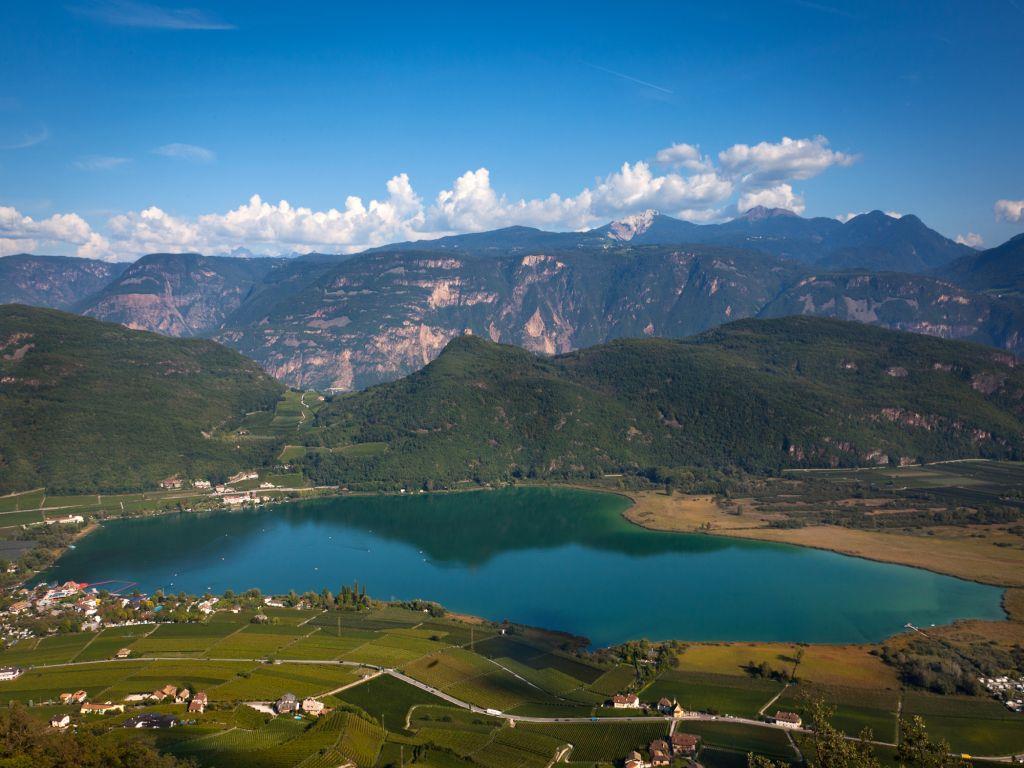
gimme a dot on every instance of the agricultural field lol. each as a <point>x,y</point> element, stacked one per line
<point>717,694</point>
<point>855,708</point>
<point>973,725</point>
<point>600,741</point>
<point>389,700</point>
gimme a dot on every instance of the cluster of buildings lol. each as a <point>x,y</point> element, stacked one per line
<point>289,704</point>
<point>196,704</point>
<point>661,752</point>
<point>667,707</point>
<point>1006,689</point>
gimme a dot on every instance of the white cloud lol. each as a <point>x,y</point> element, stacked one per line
<point>683,156</point>
<point>99,162</point>
<point>691,187</point>
<point>23,233</point>
<point>972,239</point>
<point>779,196</point>
<point>766,164</point>
<point>1009,210</point>
<point>186,152</point>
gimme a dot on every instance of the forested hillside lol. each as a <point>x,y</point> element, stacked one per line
<point>755,395</point>
<point>92,406</point>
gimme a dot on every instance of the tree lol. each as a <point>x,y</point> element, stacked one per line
<point>918,750</point>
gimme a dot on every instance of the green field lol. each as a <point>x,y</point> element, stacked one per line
<point>717,694</point>
<point>972,725</point>
<point>388,699</point>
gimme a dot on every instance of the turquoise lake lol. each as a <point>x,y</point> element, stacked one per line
<point>553,558</point>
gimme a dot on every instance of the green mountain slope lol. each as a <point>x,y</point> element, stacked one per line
<point>86,405</point>
<point>758,395</point>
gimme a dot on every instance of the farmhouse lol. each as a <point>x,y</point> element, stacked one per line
<point>684,743</point>
<point>204,484</point>
<point>123,653</point>
<point>287,703</point>
<point>312,706</point>
<point>198,703</point>
<point>625,701</point>
<point>660,753</point>
<point>60,721</point>
<point>634,760</point>
<point>788,719</point>
<point>66,520</point>
<point>10,673</point>
<point>101,709</point>
<point>73,698</point>
<point>171,483</point>
<point>182,696</point>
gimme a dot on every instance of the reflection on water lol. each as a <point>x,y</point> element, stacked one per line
<point>550,557</point>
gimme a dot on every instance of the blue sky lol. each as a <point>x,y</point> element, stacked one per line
<point>184,111</point>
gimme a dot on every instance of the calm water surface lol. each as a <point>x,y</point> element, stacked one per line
<point>549,557</point>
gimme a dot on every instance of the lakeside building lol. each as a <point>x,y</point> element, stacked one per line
<point>788,719</point>
<point>171,483</point>
<point>66,520</point>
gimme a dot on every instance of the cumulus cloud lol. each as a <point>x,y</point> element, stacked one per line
<point>99,162</point>
<point>972,239</point>
<point>779,196</point>
<point>767,164</point>
<point>186,152</point>
<point>679,181</point>
<point>683,156</point>
<point>23,233</point>
<point>1009,210</point>
<point>845,217</point>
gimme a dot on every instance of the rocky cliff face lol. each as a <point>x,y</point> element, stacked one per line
<point>907,303</point>
<point>177,294</point>
<point>383,315</point>
<point>58,282</point>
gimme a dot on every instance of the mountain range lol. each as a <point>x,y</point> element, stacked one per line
<point>754,395</point>
<point>345,322</point>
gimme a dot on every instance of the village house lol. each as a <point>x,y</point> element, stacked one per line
<point>123,653</point>
<point>661,755</point>
<point>788,719</point>
<point>10,673</point>
<point>151,720</point>
<point>206,606</point>
<point>198,703</point>
<point>203,484</point>
<point>19,606</point>
<point>101,709</point>
<point>60,721</point>
<point>312,706</point>
<point>286,704</point>
<point>625,701</point>
<point>634,760</point>
<point>182,696</point>
<point>171,483</point>
<point>684,743</point>
<point>66,520</point>
<point>73,698</point>
<point>242,476</point>
<point>235,499</point>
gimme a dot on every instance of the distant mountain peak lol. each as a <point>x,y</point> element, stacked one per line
<point>628,227</point>
<point>761,212</point>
